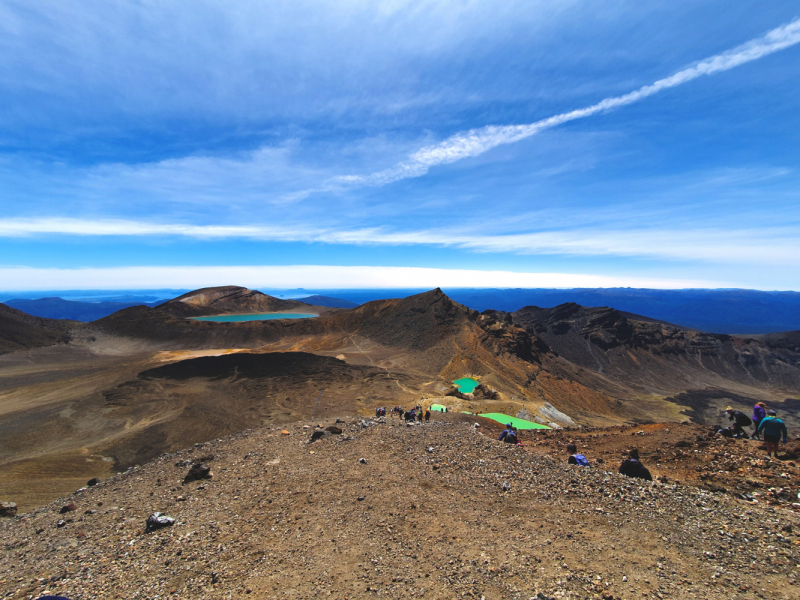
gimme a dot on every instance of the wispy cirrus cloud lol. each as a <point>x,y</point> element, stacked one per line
<point>776,245</point>
<point>475,142</point>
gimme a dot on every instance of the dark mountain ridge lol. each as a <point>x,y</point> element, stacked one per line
<point>21,331</point>
<point>732,311</point>
<point>229,299</point>
<point>656,355</point>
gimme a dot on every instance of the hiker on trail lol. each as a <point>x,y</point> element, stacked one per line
<point>419,415</point>
<point>740,421</point>
<point>759,412</point>
<point>427,415</point>
<point>773,429</point>
<point>631,467</point>
<point>575,458</point>
<point>509,436</point>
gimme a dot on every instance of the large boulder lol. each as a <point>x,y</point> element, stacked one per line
<point>483,392</point>
<point>454,391</point>
<point>319,433</point>
<point>197,472</point>
<point>8,509</point>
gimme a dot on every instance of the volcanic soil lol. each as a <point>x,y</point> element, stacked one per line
<point>91,399</point>
<point>438,510</point>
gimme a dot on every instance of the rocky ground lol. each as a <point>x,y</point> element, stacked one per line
<point>440,510</point>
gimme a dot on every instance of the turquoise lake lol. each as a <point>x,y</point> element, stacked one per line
<point>466,385</point>
<point>255,317</point>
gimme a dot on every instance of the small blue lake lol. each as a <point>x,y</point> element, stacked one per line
<point>255,317</point>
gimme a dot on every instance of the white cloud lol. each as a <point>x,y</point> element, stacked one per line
<point>477,141</point>
<point>772,245</point>
<point>316,276</point>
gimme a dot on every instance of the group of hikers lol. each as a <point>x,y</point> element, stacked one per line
<point>414,414</point>
<point>631,466</point>
<point>764,422</point>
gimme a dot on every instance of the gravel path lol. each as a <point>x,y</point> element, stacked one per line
<point>437,511</point>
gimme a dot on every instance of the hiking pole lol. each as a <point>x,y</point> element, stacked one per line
<point>317,406</point>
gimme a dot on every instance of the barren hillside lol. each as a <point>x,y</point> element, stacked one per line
<point>19,331</point>
<point>435,511</point>
<point>147,380</point>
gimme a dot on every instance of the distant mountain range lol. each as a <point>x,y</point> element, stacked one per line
<point>717,311</point>
<point>58,308</point>
<point>328,301</point>
<point>85,311</point>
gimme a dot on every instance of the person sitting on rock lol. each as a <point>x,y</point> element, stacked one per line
<point>740,421</point>
<point>575,458</point>
<point>509,436</point>
<point>759,412</point>
<point>631,467</point>
<point>773,429</point>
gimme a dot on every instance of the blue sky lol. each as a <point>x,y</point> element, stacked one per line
<point>410,143</point>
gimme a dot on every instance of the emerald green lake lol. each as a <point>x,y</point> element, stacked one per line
<point>517,423</point>
<point>254,317</point>
<point>466,385</point>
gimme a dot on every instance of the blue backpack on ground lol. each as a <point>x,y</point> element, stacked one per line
<point>581,460</point>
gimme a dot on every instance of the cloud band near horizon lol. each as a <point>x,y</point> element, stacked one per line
<point>711,244</point>
<point>318,277</point>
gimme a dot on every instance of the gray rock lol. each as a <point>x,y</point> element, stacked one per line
<point>317,434</point>
<point>197,472</point>
<point>68,508</point>
<point>8,509</point>
<point>158,521</point>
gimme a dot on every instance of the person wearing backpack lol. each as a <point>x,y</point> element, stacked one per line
<point>631,467</point>
<point>759,412</point>
<point>740,421</point>
<point>509,436</point>
<point>575,458</point>
<point>773,429</point>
